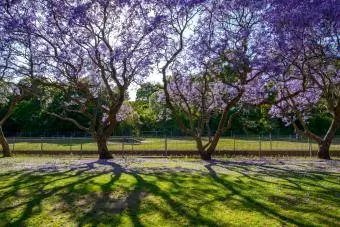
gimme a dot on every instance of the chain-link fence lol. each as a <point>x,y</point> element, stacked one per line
<point>165,145</point>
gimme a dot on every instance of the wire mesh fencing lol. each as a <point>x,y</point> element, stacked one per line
<point>165,145</point>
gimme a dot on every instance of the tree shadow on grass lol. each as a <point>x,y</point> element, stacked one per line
<point>36,192</point>
<point>77,194</point>
<point>131,203</point>
<point>298,181</point>
<point>248,201</point>
<point>144,187</point>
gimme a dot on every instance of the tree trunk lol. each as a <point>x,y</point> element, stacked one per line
<point>102,148</point>
<point>4,144</point>
<point>221,127</point>
<point>211,149</point>
<point>205,155</point>
<point>323,152</point>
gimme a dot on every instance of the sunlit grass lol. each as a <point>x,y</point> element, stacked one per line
<point>152,193</point>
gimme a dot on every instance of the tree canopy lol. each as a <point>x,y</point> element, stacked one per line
<point>218,60</point>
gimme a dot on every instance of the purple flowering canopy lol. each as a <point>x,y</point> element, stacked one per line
<point>214,65</point>
<point>216,58</point>
<point>99,48</point>
<point>305,56</point>
<point>91,51</point>
<point>18,60</point>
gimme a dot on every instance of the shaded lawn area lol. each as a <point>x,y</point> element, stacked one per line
<point>169,192</point>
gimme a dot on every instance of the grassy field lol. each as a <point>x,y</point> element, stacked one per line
<point>87,144</point>
<point>169,192</point>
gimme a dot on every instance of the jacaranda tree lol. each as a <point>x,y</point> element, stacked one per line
<point>215,66</point>
<point>216,58</point>
<point>305,58</point>
<point>93,51</point>
<point>18,61</point>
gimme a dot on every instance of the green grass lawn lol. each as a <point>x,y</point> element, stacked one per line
<point>70,144</point>
<point>169,192</point>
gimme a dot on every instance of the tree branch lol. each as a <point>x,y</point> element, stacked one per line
<point>69,120</point>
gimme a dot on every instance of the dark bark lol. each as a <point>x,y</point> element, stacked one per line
<point>324,146</point>
<point>103,151</point>
<point>211,149</point>
<point>205,155</point>
<point>323,151</point>
<point>4,144</point>
<point>219,131</point>
<point>208,149</point>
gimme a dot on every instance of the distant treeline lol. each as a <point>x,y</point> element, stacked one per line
<point>30,120</point>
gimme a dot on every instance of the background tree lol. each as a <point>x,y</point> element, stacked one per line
<point>146,90</point>
<point>147,116</point>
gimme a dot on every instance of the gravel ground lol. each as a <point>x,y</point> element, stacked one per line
<point>146,165</point>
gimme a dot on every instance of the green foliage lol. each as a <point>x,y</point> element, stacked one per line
<point>146,90</point>
<point>27,115</point>
<point>30,119</point>
<point>147,117</point>
<point>320,120</point>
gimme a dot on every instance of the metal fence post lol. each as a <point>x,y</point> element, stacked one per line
<point>64,141</point>
<point>132,142</point>
<point>70,142</point>
<point>260,146</point>
<point>41,145</point>
<point>309,147</point>
<point>270,142</point>
<point>123,145</point>
<point>81,149</point>
<point>13,144</point>
<point>166,145</point>
<point>234,144</point>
